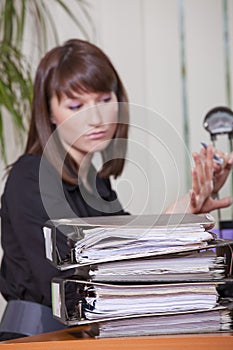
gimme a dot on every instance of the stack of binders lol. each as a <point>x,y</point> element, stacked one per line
<point>140,275</point>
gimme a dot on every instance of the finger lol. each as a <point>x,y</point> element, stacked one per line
<point>193,201</point>
<point>220,154</point>
<point>221,178</point>
<point>229,163</point>
<point>209,163</point>
<point>207,186</point>
<point>200,172</point>
<point>222,203</point>
<point>217,168</point>
<point>194,207</point>
<point>203,153</point>
<point>195,182</point>
<point>223,173</point>
<point>227,159</point>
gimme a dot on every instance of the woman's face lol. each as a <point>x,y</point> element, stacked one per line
<point>85,123</point>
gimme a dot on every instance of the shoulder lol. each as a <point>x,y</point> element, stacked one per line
<point>30,166</point>
<point>29,172</point>
<point>22,183</point>
<point>26,166</point>
<point>26,162</point>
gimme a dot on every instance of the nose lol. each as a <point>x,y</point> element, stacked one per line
<point>95,117</point>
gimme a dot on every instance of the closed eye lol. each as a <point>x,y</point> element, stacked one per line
<point>75,107</point>
<point>106,99</point>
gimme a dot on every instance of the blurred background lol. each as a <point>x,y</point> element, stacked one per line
<point>174,57</point>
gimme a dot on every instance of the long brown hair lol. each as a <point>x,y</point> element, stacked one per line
<point>75,67</point>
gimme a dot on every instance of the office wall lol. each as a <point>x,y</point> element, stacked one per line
<point>143,39</point>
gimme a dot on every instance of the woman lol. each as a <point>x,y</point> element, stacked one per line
<point>55,178</point>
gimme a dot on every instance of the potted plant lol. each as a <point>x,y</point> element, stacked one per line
<point>15,68</point>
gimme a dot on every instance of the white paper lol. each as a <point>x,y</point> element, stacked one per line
<point>120,300</point>
<point>48,243</point>
<point>117,243</point>
<point>56,299</point>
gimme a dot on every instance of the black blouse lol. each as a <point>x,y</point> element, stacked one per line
<point>31,197</point>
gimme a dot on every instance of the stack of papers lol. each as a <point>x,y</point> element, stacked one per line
<point>111,244</point>
<point>141,309</point>
<point>158,275</point>
<point>106,301</point>
<point>195,266</point>
<point>111,238</point>
<point>214,320</point>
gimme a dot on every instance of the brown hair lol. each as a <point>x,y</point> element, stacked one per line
<point>77,66</point>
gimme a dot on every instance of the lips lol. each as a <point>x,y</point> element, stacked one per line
<point>96,135</point>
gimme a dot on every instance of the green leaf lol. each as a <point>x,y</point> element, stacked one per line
<point>2,140</point>
<point>21,23</point>
<point>16,85</point>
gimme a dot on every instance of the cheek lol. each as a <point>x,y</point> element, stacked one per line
<point>112,130</point>
<point>110,113</point>
<point>70,130</point>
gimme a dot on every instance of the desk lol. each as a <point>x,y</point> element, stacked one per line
<point>67,340</point>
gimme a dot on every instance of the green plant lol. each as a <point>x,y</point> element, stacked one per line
<point>15,68</point>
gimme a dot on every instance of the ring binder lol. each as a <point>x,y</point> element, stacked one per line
<point>79,231</point>
<point>154,270</point>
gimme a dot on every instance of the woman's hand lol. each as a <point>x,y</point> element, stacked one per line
<point>221,172</point>
<point>207,179</point>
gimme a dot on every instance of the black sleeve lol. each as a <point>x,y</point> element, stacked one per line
<point>23,216</point>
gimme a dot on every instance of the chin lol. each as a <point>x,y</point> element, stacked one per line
<point>101,147</point>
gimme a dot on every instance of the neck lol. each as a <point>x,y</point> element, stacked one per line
<point>84,167</point>
<point>83,161</point>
